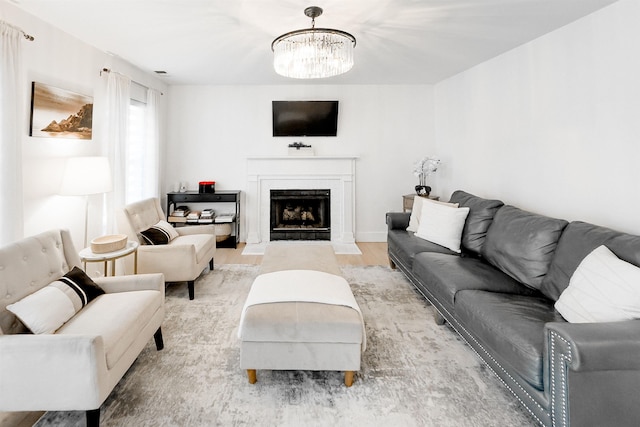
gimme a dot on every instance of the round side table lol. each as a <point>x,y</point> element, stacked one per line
<point>86,255</point>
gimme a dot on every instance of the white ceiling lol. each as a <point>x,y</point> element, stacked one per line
<point>205,42</point>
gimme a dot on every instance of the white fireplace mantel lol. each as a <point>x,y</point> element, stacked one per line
<point>336,173</point>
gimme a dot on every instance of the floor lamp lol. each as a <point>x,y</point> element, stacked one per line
<point>84,176</point>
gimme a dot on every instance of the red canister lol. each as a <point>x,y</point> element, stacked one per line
<point>207,187</point>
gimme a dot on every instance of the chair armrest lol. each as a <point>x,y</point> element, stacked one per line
<point>600,346</point>
<point>134,282</point>
<point>398,220</point>
<point>40,372</point>
<point>197,229</point>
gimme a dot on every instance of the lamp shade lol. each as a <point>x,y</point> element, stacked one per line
<point>86,175</point>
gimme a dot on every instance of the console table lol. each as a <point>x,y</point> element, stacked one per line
<point>176,198</point>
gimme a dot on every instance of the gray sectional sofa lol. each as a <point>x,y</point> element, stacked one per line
<point>499,295</point>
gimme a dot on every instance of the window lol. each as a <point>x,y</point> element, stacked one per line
<point>141,180</point>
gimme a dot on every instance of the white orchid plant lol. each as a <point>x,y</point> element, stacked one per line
<point>425,167</point>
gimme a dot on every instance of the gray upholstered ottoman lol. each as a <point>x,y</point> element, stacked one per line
<point>301,320</point>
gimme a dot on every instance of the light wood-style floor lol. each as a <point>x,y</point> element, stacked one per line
<point>372,254</point>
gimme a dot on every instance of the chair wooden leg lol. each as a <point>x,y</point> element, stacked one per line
<point>211,264</point>
<point>392,264</point>
<point>251,373</point>
<point>158,338</point>
<point>348,378</point>
<point>93,418</point>
<point>190,284</point>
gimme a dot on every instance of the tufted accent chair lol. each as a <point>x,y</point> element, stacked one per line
<point>76,367</point>
<point>183,259</point>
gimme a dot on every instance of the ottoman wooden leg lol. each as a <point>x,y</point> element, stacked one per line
<point>251,373</point>
<point>348,378</point>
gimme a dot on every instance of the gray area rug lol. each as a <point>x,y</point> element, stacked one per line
<point>414,373</point>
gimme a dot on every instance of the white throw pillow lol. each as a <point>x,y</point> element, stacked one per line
<point>442,224</point>
<point>45,310</point>
<point>603,288</point>
<point>416,211</point>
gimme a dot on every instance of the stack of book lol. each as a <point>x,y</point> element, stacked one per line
<point>224,218</point>
<point>193,217</point>
<point>179,214</point>
<point>206,217</point>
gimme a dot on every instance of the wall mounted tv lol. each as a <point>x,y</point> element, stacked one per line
<point>305,118</point>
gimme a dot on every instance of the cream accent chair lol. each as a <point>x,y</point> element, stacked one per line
<point>77,367</point>
<point>183,259</point>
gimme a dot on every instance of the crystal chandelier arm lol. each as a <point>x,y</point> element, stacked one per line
<point>313,31</point>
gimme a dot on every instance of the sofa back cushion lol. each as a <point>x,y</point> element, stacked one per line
<point>481,213</point>
<point>522,244</point>
<point>578,240</point>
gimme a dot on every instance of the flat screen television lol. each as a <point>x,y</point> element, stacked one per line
<point>305,118</point>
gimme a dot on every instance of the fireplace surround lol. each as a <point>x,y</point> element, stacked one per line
<point>333,173</point>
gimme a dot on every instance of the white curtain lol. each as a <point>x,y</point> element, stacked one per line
<point>153,143</point>
<point>11,203</point>
<point>118,99</point>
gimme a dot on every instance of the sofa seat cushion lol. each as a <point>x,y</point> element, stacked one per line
<point>203,243</point>
<point>118,318</point>
<point>511,326</point>
<point>446,275</point>
<point>406,245</point>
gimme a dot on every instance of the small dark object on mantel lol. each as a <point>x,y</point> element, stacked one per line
<point>299,145</point>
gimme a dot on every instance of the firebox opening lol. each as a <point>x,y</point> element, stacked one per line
<point>300,215</point>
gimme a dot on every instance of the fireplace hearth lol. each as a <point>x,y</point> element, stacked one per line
<point>300,215</point>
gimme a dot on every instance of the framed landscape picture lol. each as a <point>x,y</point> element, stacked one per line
<point>59,113</point>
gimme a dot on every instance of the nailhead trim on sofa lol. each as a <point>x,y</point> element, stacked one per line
<point>567,358</point>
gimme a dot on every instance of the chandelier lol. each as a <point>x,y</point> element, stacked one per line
<point>313,53</point>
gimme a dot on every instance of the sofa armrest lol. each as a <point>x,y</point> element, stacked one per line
<point>398,220</point>
<point>600,346</point>
<point>196,229</point>
<point>40,372</point>
<point>134,282</point>
<point>592,371</point>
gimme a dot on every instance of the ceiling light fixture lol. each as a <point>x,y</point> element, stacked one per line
<point>313,53</point>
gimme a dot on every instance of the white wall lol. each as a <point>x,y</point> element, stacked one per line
<point>58,59</point>
<point>553,126</point>
<point>212,130</point>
